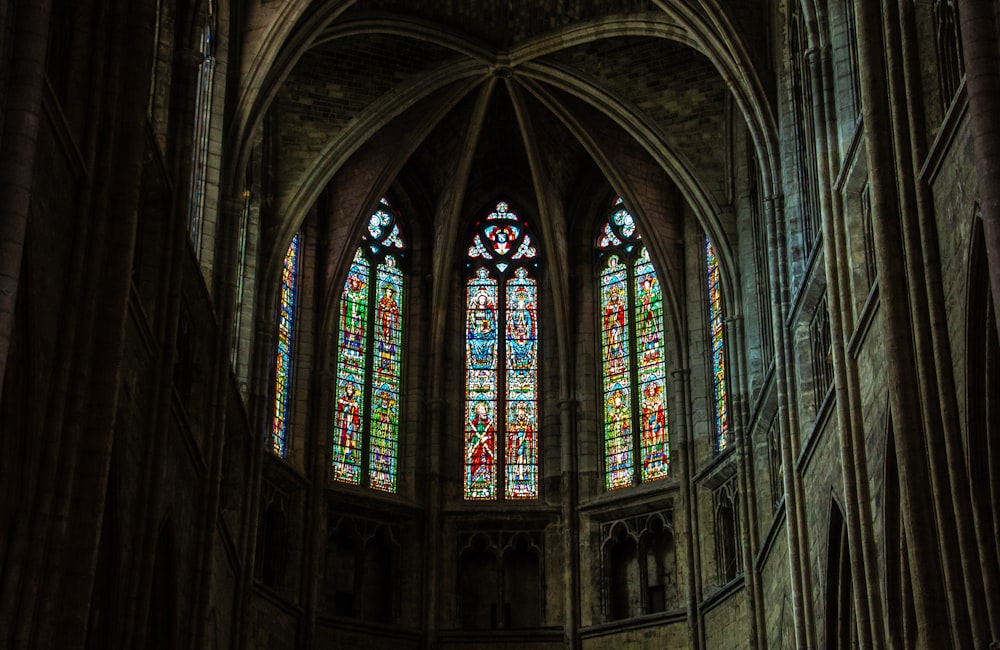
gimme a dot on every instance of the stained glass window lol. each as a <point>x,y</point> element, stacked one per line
<point>501,353</point>
<point>283,363</point>
<point>369,347</point>
<point>633,360</point>
<point>202,124</point>
<point>719,399</point>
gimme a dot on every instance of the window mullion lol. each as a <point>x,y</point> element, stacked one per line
<point>502,396</point>
<point>369,383</point>
<point>633,367</point>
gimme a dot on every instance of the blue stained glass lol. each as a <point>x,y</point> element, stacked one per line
<point>501,427</point>
<point>522,378</point>
<point>283,362</point>
<point>718,347</point>
<point>481,382</point>
<point>501,237</point>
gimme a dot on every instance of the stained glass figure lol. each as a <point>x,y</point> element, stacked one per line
<point>651,368</point>
<point>481,384</point>
<point>501,306</point>
<point>351,372</point>
<point>522,380</point>
<point>283,361</point>
<point>720,399</point>
<point>369,346</point>
<point>633,361</point>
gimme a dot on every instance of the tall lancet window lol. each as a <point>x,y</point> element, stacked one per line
<point>501,360</point>
<point>720,400</point>
<point>370,352</point>
<point>633,359</point>
<point>283,358</point>
<point>202,130</point>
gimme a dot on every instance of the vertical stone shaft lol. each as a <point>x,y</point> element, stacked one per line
<point>982,78</point>
<point>854,465</point>
<point>18,149</point>
<point>936,364</point>
<point>923,546</point>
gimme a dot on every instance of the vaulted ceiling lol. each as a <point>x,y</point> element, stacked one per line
<point>532,98</point>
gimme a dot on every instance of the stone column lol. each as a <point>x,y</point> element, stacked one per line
<point>435,496</point>
<point>682,458</point>
<point>787,421</point>
<point>742,433</point>
<point>944,436</point>
<point>571,527</point>
<point>854,462</point>
<point>982,82</point>
<point>18,149</point>
<point>923,547</point>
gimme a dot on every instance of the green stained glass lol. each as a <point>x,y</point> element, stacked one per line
<point>617,375</point>
<point>633,361</point>
<point>365,446</point>
<point>351,373</point>
<point>655,450</point>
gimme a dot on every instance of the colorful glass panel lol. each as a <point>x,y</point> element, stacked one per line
<point>501,431</point>
<point>634,383</point>
<point>369,345</point>
<point>351,371</point>
<point>617,382</point>
<point>478,249</point>
<point>655,451</point>
<point>521,458</point>
<point>608,238</point>
<point>623,219</point>
<point>283,362</point>
<point>502,212</point>
<point>718,347</point>
<point>501,237</point>
<point>387,360</point>
<point>481,387</point>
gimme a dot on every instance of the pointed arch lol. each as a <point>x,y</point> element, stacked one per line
<point>841,622</point>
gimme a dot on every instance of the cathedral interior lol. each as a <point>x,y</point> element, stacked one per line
<point>535,324</point>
